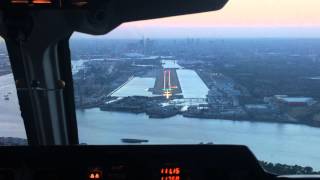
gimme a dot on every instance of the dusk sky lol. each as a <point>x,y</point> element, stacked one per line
<point>239,18</point>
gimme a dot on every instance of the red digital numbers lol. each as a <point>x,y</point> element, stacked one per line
<point>170,173</point>
<point>170,178</point>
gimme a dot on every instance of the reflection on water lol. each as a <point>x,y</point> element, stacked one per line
<point>191,84</point>
<point>283,143</point>
<point>136,86</point>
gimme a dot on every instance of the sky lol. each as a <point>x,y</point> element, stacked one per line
<point>239,18</point>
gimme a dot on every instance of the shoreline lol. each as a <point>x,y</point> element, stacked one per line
<point>257,121</point>
<point>309,124</point>
<point>98,104</point>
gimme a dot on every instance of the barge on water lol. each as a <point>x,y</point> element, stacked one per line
<point>126,140</point>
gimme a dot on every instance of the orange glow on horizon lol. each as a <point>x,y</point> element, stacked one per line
<point>248,13</point>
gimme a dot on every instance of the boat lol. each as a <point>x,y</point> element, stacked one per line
<point>126,140</point>
<point>6,97</point>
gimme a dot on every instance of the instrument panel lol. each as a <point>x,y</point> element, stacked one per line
<point>47,4</point>
<point>155,162</point>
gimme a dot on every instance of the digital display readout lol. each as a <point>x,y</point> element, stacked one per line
<point>170,173</point>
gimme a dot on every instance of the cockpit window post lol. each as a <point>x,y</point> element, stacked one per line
<point>40,59</point>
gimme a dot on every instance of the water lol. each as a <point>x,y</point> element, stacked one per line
<point>314,78</point>
<point>11,123</point>
<point>191,84</point>
<point>274,142</point>
<point>137,86</point>
<point>283,143</point>
<point>170,64</point>
<point>78,65</point>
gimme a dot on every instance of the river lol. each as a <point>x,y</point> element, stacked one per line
<point>283,143</point>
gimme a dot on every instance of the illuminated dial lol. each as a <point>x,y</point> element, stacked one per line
<point>95,174</point>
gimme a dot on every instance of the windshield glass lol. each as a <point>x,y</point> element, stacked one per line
<point>12,130</point>
<point>248,74</point>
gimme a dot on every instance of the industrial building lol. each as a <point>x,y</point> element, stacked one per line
<point>294,101</point>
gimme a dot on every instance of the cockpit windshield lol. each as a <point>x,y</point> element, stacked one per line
<point>248,74</point>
